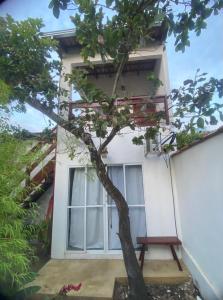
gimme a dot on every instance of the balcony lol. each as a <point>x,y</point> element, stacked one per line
<point>143,108</point>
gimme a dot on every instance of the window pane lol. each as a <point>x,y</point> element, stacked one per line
<point>76,228</point>
<point>117,177</point>
<point>137,223</point>
<point>94,188</point>
<point>113,239</point>
<point>77,183</point>
<point>134,185</point>
<point>95,228</point>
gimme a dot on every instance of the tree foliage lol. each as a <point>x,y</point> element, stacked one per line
<point>15,232</point>
<point>27,59</point>
<point>194,103</point>
<point>185,138</point>
<point>177,17</point>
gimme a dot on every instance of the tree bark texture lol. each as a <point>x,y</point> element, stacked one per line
<point>135,278</point>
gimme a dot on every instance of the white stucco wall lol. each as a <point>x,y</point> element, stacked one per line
<point>199,182</point>
<point>157,193</point>
<point>134,84</point>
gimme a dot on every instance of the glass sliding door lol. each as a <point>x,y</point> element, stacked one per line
<point>85,211</point>
<point>76,211</point>
<point>92,215</point>
<point>135,200</point>
<point>94,212</point>
<point>128,179</point>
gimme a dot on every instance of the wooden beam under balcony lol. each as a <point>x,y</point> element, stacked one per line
<point>134,66</point>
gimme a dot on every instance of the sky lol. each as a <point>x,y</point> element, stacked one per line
<point>205,51</point>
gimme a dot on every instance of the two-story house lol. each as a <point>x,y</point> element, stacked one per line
<point>85,219</point>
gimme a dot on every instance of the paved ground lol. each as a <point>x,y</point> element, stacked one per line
<point>98,276</point>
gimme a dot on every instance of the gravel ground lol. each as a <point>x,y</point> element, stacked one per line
<point>184,291</point>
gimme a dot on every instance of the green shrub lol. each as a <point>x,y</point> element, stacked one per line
<point>184,138</point>
<point>15,232</point>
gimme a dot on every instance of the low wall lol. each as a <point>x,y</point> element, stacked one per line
<point>198,177</point>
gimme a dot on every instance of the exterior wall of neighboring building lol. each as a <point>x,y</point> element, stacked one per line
<point>199,186</point>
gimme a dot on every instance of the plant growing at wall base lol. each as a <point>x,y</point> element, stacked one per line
<point>44,236</point>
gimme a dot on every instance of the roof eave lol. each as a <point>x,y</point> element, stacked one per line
<point>59,34</point>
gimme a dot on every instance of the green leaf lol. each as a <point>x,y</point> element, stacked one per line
<point>200,122</point>
<point>109,3</point>
<point>201,79</point>
<point>5,91</point>
<point>138,140</point>
<point>188,81</point>
<point>56,10</point>
<point>213,120</point>
<point>51,4</point>
<point>221,115</point>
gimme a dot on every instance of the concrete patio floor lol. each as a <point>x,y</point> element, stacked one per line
<point>98,276</point>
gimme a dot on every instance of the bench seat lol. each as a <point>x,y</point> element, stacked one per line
<point>170,241</point>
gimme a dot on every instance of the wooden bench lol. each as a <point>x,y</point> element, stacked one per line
<point>170,241</point>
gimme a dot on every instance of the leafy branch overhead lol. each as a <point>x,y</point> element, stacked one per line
<point>133,19</point>
<point>130,22</point>
<point>194,104</point>
<point>26,65</point>
<point>32,81</point>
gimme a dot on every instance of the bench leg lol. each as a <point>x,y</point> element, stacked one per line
<point>175,257</point>
<point>141,256</point>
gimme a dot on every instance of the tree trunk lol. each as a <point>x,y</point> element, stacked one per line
<point>135,277</point>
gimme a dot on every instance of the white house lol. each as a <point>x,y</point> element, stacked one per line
<point>176,196</point>
<point>85,220</point>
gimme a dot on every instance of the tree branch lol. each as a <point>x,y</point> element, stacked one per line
<point>77,131</point>
<point>118,74</point>
<point>46,111</point>
<point>112,134</point>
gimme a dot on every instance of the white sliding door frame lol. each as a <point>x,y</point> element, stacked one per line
<point>125,196</point>
<point>85,206</point>
<point>105,207</point>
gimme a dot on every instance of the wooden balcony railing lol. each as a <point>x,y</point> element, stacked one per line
<point>142,108</point>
